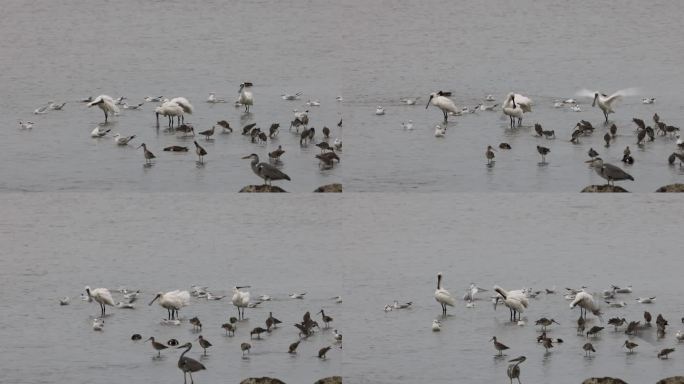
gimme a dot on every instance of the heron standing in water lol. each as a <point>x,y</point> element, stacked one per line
<point>266,171</point>
<point>187,364</point>
<point>513,371</point>
<point>609,172</point>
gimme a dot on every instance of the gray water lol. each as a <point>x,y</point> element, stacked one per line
<point>371,249</point>
<point>101,218</point>
<point>371,53</point>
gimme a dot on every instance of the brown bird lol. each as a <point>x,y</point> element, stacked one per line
<point>172,342</point>
<point>504,146</point>
<point>275,155</point>
<point>647,318</point>
<point>544,322</point>
<point>489,154</point>
<point>606,138</point>
<point>632,328</point>
<point>665,352</point>
<point>326,132</point>
<point>538,128</point>
<point>271,322</point>
<point>324,146</point>
<point>293,347</point>
<point>592,153</point>
<point>148,154</point>
<point>617,322</point>
<point>176,148</point>
<point>674,156</point>
<point>157,346</point>
<point>225,126</point>
<point>548,344</point>
<point>326,319</point>
<point>629,345</point>
<point>248,128</point>
<point>588,348</point>
<point>580,324</point>
<point>641,135</point>
<point>549,134</point>
<point>204,343</point>
<point>613,130</point>
<point>499,346</point>
<point>245,347</point>
<point>640,123</point>
<point>543,151</point>
<point>201,152</point>
<point>273,130</point>
<point>257,331</point>
<point>323,351</point>
<point>339,125</point>
<point>230,329</point>
<point>208,133</point>
<point>196,323</point>
<point>594,330</point>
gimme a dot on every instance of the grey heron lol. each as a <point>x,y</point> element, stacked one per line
<point>266,171</point>
<point>609,172</point>
<point>513,371</point>
<point>187,364</point>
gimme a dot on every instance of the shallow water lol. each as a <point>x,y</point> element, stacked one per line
<point>369,248</point>
<point>102,219</point>
<point>371,54</point>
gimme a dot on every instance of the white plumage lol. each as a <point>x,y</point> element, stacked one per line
<point>246,98</point>
<point>240,300</point>
<point>102,296</point>
<point>445,104</point>
<point>605,102</point>
<point>515,300</point>
<point>443,296</point>
<point>586,302</point>
<point>170,109</point>
<point>106,104</point>
<point>172,301</point>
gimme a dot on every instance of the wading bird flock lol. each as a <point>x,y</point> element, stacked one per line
<point>228,329</point>
<point>599,305</point>
<point>515,106</point>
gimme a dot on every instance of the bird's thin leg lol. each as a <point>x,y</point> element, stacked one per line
<point>519,381</point>
<point>185,377</point>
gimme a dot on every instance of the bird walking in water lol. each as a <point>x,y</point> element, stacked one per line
<point>500,347</point>
<point>246,98</point>
<point>443,296</point>
<point>204,343</point>
<point>323,351</point>
<point>293,347</point>
<point>630,346</point>
<point>266,171</point>
<point>326,319</point>
<point>172,301</point>
<point>106,104</point>
<point>275,155</point>
<point>102,296</point>
<point>157,346</point>
<point>543,151</point>
<point>148,154</point>
<point>489,154</point>
<point>441,101</point>
<point>588,348</point>
<point>544,322</point>
<point>240,300</point>
<point>208,133</point>
<point>245,347</point>
<point>188,365</point>
<point>201,152</point>
<point>513,371</point>
<point>272,322</point>
<point>609,172</point>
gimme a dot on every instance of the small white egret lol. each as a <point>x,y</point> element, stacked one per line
<point>472,290</point>
<point>106,104</point>
<point>443,296</point>
<point>102,296</point>
<point>446,105</point>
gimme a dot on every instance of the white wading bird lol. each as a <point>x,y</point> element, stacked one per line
<point>605,102</point>
<point>443,296</point>
<point>106,104</point>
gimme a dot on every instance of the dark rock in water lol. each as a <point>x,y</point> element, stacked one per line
<point>336,187</point>
<point>262,188</point>
<point>261,380</point>
<point>673,379</point>
<point>604,188</point>
<point>603,380</point>
<point>672,188</point>
<point>332,380</point>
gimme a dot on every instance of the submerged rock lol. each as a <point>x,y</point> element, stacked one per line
<point>671,188</point>
<point>262,188</point>
<point>603,380</point>
<point>673,379</point>
<point>604,188</point>
<point>334,379</point>
<point>336,187</point>
<point>261,380</point>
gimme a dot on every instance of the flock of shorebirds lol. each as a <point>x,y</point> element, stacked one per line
<point>176,109</point>
<point>515,106</point>
<point>174,301</point>
<point>518,301</point>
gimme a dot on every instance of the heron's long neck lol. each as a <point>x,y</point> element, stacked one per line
<point>186,351</point>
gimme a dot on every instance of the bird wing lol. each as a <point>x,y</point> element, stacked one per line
<point>524,102</point>
<point>621,93</point>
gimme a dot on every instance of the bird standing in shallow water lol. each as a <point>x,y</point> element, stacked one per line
<point>106,104</point>
<point>293,347</point>
<point>204,343</point>
<point>441,101</point>
<point>609,172</point>
<point>500,347</point>
<point>102,296</point>
<point>266,171</point>
<point>157,346</point>
<point>489,154</point>
<point>513,371</point>
<point>543,151</point>
<point>201,152</point>
<point>187,364</point>
<point>588,348</point>
<point>443,296</point>
<point>245,347</point>
<point>629,345</point>
<point>246,98</point>
<point>148,154</point>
